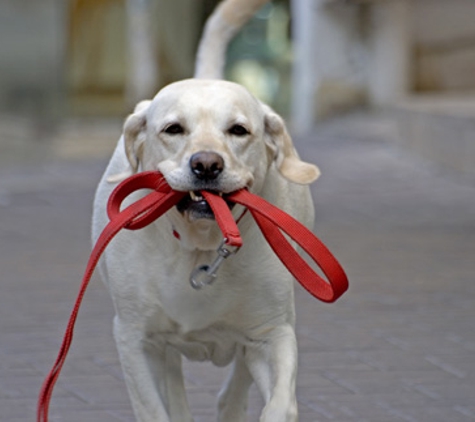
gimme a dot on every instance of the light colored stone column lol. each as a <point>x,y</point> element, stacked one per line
<point>142,60</point>
<point>329,57</point>
<point>390,67</point>
<point>303,74</point>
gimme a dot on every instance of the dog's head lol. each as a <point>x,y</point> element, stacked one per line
<point>213,135</point>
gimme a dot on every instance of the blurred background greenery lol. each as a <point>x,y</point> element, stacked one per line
<point>414,60</point>
<point>71,57</point>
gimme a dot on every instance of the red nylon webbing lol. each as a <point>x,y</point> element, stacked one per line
<point>269,218</point>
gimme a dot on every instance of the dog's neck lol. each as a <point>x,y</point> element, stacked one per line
<point>201,234</point>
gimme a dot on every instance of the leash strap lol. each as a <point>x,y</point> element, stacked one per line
<point>144,211</point>
<point>135,216</point>
<point>224,218</point>
<point>271,220</point>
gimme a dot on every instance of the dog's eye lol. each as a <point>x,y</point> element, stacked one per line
<point>174,129</point>
<point>238,130</point>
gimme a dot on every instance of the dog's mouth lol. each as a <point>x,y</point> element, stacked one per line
<point>195,207</point>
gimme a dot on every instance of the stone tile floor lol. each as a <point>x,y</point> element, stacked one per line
<point>399,346</point>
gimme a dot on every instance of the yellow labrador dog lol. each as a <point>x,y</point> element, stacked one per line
<point>205,134</point>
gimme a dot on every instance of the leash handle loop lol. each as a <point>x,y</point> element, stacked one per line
<point>271,220</point>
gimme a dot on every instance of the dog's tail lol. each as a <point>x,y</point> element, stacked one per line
<point>221,27</point>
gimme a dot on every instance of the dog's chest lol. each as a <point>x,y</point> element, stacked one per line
<point>216,344</point>
<point>195,310</point>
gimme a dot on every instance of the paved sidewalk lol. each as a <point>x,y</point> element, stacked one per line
<point>399,346</point>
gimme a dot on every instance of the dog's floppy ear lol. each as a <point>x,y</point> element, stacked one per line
<point>135,127</point>
<point>134,136</point>
<point>285,156</point>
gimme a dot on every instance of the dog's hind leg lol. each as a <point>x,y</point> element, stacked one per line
<point>232,404</point>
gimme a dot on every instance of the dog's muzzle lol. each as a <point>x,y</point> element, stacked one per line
<point>206,168</point>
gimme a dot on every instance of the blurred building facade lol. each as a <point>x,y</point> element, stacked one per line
<point>379,52</point>
<point>308,58</point>
<point>99,57</point>
<point>414,58</point>
<point>33,36</point>
<point>79,56</point>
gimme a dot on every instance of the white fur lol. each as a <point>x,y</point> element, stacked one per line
<point>247,316</point>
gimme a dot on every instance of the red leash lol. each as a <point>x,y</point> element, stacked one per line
<point>269,218</point>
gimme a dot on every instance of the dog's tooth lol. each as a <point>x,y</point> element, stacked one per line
<point>220,193</point>
<point>195,197</point>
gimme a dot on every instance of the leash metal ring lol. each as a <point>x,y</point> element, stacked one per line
<point>201,277</point>
<point>204,275</point>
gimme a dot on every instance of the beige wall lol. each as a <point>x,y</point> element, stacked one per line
<point>42,61</point>
<point>444,45</point>
<point>31,44</point>
<point>381,51</point>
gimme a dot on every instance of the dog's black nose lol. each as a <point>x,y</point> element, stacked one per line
<point>206,165</point>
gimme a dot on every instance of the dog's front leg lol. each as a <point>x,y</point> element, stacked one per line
<point>153,377</point>
<point>272,362</point>
<point>232,404</point>
<point>175,389</point>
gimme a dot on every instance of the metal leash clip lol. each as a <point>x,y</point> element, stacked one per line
<point>206,274</point>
